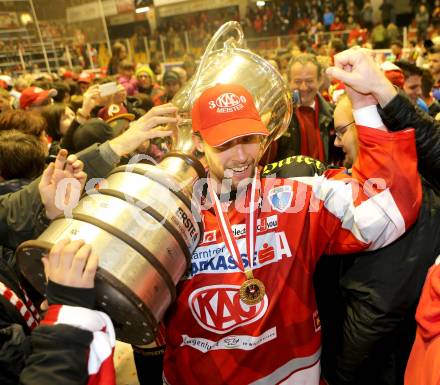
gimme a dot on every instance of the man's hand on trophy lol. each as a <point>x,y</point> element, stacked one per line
<point>151,125</point>
<point>61,184</point>
<point>357,69</point>
<point>71,263</point>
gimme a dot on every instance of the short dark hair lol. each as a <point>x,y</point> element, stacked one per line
<point>62,90</point>
<point>25,121</point>
<point>73,86</point>
<point>21,155</point>
<point>408,68</point>
<point>304,59</point>
<point>52,115</point>
<point>44,84</point>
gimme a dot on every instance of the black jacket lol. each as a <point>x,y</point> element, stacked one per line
<point>367,301</point>
<point>399,114</point>
<point>55,354</point>
<point>290,143</point>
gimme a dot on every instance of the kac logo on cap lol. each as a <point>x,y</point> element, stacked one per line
<point>226,112</point>
<point>228,102</point>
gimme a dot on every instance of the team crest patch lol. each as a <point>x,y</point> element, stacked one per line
<point>280,198</point>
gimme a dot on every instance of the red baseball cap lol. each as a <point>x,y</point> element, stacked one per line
<point>393,73</point>
<point>85,77</point>
<point>35,96</point>
<point>113,112</point>
<point>68,75</point>
<point>225,112</point>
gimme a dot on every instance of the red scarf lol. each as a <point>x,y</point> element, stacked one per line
<point>311,142</point>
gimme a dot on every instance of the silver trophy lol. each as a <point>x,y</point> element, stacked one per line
<point>142,221</point>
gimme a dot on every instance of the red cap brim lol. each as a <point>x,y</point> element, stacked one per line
<point>44,95</point>
<point>222,133</point>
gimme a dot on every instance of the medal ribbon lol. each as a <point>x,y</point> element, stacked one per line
<point>252,198</point>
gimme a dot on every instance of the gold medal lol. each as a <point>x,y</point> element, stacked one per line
<point>252,290</point>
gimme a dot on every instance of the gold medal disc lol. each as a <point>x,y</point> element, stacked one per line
<point>252,291</point>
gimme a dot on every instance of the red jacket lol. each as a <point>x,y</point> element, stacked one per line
<point>424,362</point>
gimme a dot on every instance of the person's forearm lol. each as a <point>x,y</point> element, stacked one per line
<point>99,160</point>
<point>400,114</point>
<point>385,93</point>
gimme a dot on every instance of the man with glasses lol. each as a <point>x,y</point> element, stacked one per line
<point>345,131</point>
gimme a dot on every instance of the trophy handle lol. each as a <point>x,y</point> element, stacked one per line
<point>223,30</point>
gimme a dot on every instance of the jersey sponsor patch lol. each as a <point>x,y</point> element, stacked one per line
<point>270,248</point>
<point>263,224</point>
<point>280,198</point>
<point>218,308</point>
<point>209,237</point>
<point>242,342</point>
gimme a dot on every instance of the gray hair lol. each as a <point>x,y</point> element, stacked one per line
<point>304,59</point>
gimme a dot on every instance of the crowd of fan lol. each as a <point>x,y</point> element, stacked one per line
<point>353,21</point>
<point>78,110</point>
<point>41,113</point>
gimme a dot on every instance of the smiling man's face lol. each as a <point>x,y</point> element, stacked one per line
<point>234,160</point>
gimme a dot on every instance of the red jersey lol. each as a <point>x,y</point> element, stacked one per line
<point>214,338</point>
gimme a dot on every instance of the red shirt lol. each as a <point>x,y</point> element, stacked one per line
<point>311,142</point>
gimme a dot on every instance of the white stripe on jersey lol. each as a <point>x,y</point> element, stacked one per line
<point>308,376</point>
<point>303,370</point>
<point>376,221</point>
